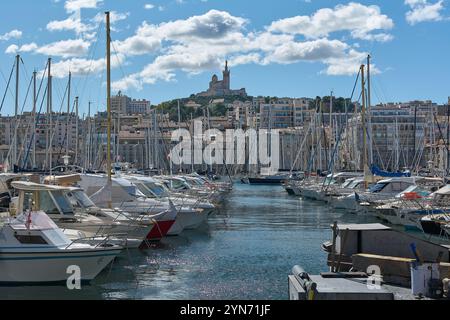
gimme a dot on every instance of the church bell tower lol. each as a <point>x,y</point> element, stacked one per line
<point>226,77</point>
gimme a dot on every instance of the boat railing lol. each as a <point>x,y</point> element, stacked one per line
<point>102,243</point>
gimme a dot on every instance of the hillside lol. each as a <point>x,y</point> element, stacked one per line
<point>216,110</point>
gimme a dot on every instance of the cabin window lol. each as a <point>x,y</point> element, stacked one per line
<point>30,239</point>
<point>62,202</point>
<point>142,188</point>
<point>46,203</point>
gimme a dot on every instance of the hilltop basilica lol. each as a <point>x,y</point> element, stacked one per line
<point>222,88</point>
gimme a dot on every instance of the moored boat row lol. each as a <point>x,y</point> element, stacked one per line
<point>68,221</point>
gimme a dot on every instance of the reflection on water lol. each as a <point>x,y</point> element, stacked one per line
<point>245,252</point>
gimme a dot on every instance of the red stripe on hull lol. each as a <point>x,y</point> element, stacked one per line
<point>160,230</point>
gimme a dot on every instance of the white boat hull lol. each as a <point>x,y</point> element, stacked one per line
<point>52,267</point>
<point>187,221</point>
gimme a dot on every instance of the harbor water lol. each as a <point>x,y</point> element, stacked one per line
<point>246,251</point>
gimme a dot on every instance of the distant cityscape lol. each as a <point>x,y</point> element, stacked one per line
<point>142,132</point>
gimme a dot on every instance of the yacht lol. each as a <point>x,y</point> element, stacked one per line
<point>155,189</point>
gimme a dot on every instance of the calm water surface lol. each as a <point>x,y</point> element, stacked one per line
<point>246,251</point>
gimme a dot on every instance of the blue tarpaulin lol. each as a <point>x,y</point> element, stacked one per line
<point>376,171</point>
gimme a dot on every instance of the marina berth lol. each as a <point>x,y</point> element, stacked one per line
<point>34,250</point>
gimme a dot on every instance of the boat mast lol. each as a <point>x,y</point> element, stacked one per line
<point>108,96</point>
<point>89,144</point>
<point>49,119</point>
<point>448,137</point>
<point>68,113</point>
<point>16,113</point>
<point>369,109</point>
<point>75,161</point>
<point>363,121</point>
<point>331,129</point>
<point>34,120</point>
<point>179,128</point>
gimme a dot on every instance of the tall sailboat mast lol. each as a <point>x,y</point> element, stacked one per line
<point>369,107</point>
<point>34,120</point>
<point>363,122</point>
<point>49,115</point>
<point>108,95</point>
<point>75,161</point>
<point>16,113</point>
<point>68,112</point>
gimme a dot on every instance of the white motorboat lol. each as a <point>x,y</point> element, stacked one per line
<point>128,198</point>
<point>33,250</point>
<point>154,189</point>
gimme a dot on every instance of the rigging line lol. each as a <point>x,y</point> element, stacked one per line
<point>4,78</point>
<point>91,57</point>
<point>42,82</point>
<point>7,86</point>
<point>25,70</point>
<point>16,129</point>
<point>118,60</point>
<point>20,119</point>
<point>37,122</point>
<point>37,98</point>
<point>59,119</point>
<point>341,133</point>
<point>66,137</point>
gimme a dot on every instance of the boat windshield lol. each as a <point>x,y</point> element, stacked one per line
<point>81,199</point>
<point>157,189</point>
<point>377,187</point>
<point>354,184</point>
<point>143,189</point>
<point>347,183</point>
<point>177,184</point>
<point>54,201</point>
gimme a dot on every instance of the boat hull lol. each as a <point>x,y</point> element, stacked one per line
<point>52,266</point>
<point>187,221</point>
<point>262,181</point>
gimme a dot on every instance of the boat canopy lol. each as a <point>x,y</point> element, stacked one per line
<point>31,186</point>
<point>67,180</point>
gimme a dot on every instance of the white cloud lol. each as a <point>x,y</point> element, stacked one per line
<point>316,50</point>
<point>203,43</point>
<point>114,17</point>
<point>12,49</point>
<point>72,23</point>
<point>64,48</point>
<point>76,5</point>
<point>422,11</point>
<point>82,67</point>
<point>13,34</point>
<point>360,20</point>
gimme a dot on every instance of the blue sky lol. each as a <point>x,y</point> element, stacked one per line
<point>170,49</point>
